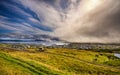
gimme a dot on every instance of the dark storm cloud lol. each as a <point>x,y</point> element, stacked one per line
<point>100,24</point>
<point>105,22</point>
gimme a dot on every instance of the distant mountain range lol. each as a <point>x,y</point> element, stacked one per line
<point>15,36</point>
<point>30,39</point>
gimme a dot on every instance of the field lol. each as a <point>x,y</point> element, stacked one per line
<point>57,61</point>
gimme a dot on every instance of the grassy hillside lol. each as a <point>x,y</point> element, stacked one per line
<point>57,61</point>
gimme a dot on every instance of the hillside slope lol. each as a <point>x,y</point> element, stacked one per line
<point>57,61</point>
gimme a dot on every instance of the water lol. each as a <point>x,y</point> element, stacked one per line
<point>117,55</point>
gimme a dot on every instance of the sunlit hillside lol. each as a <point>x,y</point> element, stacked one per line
<point>56,61</point>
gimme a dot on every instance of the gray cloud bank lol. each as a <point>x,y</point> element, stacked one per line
<point>79,20</point>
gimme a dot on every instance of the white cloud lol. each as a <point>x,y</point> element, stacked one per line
<point>80,21</point>
<point>22,28</point>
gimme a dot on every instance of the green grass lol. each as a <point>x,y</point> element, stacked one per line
<point>58,61</point>
<point>29,66</point>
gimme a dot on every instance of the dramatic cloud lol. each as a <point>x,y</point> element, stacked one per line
<point>70,20</point>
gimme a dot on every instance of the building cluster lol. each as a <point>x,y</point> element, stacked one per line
<point>88,46</point>
<point>93,46</point>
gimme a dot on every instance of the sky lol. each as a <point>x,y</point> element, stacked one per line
<point>69,20</point>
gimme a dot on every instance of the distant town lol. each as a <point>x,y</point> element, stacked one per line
<point>89,46</point>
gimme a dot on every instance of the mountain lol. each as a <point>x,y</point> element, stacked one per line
<point>28,36</point>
